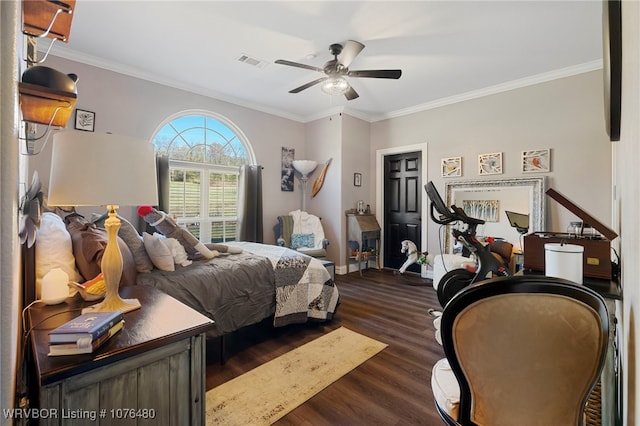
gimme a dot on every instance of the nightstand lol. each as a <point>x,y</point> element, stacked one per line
<point>152,371</point>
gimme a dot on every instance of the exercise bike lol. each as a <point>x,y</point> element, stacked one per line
<point>486,263</point>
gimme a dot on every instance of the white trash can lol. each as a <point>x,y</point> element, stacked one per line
<point>564,261</point>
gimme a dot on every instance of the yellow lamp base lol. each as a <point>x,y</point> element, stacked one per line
<point>112,271</point>
<point>114,304</point>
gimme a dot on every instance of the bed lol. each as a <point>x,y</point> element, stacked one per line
<point>238,290</point>
<point>255,283</point>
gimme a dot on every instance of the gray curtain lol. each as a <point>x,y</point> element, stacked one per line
<point>162,170</point>
<point>162,175</point>
<point>250,204</point>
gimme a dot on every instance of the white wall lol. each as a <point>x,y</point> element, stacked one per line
<point>10,289</point>
<point>356,156</point>
<point>564,115</point>
<point>323,139</point>
<point>628,198</point>
<point>130,106</point>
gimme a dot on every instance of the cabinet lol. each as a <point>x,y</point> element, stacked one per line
<point>363,229</point>
<point>151,372</point>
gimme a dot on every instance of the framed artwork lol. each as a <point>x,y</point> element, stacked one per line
<point>451,167</point>
<point>85,120</point>
<point>357,179</point>
<point>490,164</point>
<point>536,161</point>
<point>487,210</point>
<point>287,156</point>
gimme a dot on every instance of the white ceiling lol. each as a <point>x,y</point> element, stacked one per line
<point>447,50</point>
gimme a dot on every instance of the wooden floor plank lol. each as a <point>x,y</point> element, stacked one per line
<point>393,387</point>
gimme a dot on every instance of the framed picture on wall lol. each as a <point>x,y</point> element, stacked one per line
<point>357,179</point>
<point>85,120</point>
<point>490,164</point>
<point>536,161</point>
<point>287,155</point>
<point>451,167</point>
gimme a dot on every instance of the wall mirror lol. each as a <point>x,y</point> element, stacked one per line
<point>489,199</point>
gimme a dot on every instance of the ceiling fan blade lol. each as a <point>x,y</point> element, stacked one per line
<point>306,86</point>
<point>350,50</point>
<point>351,94</point>
<point>376,73</point>
<point>298,65</point>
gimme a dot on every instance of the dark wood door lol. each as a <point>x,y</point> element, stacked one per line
<point>402,201</point>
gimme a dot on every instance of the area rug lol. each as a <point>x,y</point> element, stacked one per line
<point>268,392</point>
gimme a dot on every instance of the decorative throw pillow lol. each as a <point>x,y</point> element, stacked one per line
<point>133,240</point>
<point>177,250</point>
<point>89,242</point>
<point>158,252</point>
<point>302,240</point>
<point>53,249</point>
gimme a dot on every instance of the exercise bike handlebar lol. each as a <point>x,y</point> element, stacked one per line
<point>446,214</point>
<point>455,214</point>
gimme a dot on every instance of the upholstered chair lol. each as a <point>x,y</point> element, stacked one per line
<point>303,232</point>
<point>521,350</point>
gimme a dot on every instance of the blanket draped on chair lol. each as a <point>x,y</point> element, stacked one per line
<point>305,223</point>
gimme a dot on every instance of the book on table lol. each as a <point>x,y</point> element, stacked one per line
<point>90,325</point>
<point>84,345</point>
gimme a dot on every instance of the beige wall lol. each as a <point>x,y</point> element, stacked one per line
<point>323,140</point>
<point>564,115</point>
<point>135,107</point>
<point>627,180</point>
<point>10,179</point>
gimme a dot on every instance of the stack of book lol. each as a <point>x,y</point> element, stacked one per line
<point>85,333</point>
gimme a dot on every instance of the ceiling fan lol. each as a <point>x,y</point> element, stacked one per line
<point>336,69</point>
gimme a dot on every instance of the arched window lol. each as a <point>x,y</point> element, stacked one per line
<point>205,153</point>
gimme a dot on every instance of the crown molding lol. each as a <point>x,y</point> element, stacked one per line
<point>498,88</point>
<point>72,55</point>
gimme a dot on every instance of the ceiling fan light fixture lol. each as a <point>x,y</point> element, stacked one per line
<point>335,86</point>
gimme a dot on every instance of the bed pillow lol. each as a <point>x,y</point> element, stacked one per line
<point>158,252</point>
<point>88,242</point>
<point>54,249</point>
<point>133,240</point>
<point>302,241</point>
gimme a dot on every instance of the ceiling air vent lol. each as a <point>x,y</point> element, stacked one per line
<point>252,61</point>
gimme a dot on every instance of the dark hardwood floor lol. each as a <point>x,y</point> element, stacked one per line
<point>393,387</point>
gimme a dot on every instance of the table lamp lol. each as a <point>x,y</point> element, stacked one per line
<point>305,168</point>
<point>93,169</point>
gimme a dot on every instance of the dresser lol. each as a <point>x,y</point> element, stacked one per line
<point>150,372</point>
<point>363,231</point>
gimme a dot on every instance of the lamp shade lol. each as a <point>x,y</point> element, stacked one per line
<point>304,167</point>
<point>94,169</point>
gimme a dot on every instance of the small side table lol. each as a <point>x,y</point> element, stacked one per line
<point>152,370</point>
<point>330,267</point>
<point>364,230</point>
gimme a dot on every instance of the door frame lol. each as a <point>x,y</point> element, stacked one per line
<point>380,154</point>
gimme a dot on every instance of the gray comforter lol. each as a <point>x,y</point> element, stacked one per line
<point>242,289</point>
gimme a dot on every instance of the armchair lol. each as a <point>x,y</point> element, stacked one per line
<point>525,350</point>
<point>303,232</point>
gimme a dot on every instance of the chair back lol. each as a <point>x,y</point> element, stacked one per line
<point>525,350</point>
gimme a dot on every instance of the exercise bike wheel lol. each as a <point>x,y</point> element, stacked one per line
<point>452,282</point>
